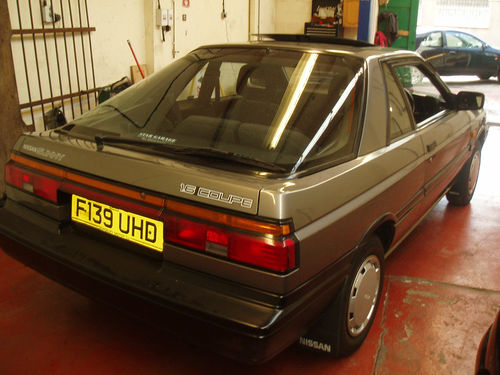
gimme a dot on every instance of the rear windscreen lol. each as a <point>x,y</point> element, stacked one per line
<point>292,109</point>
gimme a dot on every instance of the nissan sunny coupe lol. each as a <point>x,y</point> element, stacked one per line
<point>244,198</point>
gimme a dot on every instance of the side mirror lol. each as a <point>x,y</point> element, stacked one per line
<point>469,100</point>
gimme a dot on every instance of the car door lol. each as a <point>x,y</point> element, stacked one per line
<point>466,54</point>
<point>458,56</point>
<point>445,133</point>
<point>404,149</point>
<point>431,48</point>
<point>482,62</point>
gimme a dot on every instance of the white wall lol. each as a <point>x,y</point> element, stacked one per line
<point>488,31</point>
<point>204,24</point>
<point>116,22</point>
<point>291,16</point>
<point>262,17</point>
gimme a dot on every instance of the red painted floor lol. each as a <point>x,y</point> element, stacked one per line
<point>442,291</point>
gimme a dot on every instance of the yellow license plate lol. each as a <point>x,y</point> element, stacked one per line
<point>131,227</point>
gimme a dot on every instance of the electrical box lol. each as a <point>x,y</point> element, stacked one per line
<point>164,17</point>
<point>48,15</point>
<point>165,20</point>
<point>161,17</point>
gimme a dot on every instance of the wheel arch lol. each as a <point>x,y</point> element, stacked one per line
<point>481,137</point>
<point>384,228</point>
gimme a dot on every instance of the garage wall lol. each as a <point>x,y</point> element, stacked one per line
<point>291,16</point>
<point>116,22</point>
<point>202,23</point>
<point>262,17</point>
<point>196,22</point>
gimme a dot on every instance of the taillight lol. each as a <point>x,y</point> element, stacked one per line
<point>276,254</point>
<point>31,182</point>
<point>185,232</point>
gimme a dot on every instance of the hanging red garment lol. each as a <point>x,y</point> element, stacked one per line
<point>381,39</point>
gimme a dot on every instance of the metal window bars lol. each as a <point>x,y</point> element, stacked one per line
<point>53,59</point>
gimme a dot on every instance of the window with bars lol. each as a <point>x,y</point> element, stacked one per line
<point>53,60</point>
<point>462,13</point>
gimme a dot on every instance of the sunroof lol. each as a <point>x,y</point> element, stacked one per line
<point>315,39</point>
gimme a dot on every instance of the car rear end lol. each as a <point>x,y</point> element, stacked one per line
<point>106,240</point>
<point>150,202</point>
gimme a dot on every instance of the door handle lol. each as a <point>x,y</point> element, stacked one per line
<point>431,146</point>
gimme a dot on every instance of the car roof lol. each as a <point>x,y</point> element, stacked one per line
<point>445,31</point>
<point>323,44</point>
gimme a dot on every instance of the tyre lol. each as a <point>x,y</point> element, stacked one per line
<point>484,77</point>
<point>344,325</point>
<point>463,189</point>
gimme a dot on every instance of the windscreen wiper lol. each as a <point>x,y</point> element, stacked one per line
<point>213,154</point>
<point>83,132</point>
<point>101,140</point>
<point>229,156</point>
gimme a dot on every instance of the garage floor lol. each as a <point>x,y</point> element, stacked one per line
<point>442,291</point>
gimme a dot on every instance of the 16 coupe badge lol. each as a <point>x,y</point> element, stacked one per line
<point>215,195</point>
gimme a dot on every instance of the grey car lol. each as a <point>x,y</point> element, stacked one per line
<point>245,197</point>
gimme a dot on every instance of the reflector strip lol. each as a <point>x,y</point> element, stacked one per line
<point>118,190</point>
<point>38,166</point>
<point>152,200</point>
<point>229,220</point>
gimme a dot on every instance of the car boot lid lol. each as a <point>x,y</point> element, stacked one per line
<point>150,172</point>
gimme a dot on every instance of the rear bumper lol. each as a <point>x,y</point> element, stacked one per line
<point>231,319</point>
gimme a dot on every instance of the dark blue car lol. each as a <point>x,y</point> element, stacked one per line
<point>459,53</point>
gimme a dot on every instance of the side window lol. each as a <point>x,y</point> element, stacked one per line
<point>460,40</point>
<point>433,40</point>
<point>425,98</point>
<point>471,42</point>
<point>400,122</point>
<point>454,41</point>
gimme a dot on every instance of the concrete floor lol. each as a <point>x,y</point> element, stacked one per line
<point>442,291</point>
